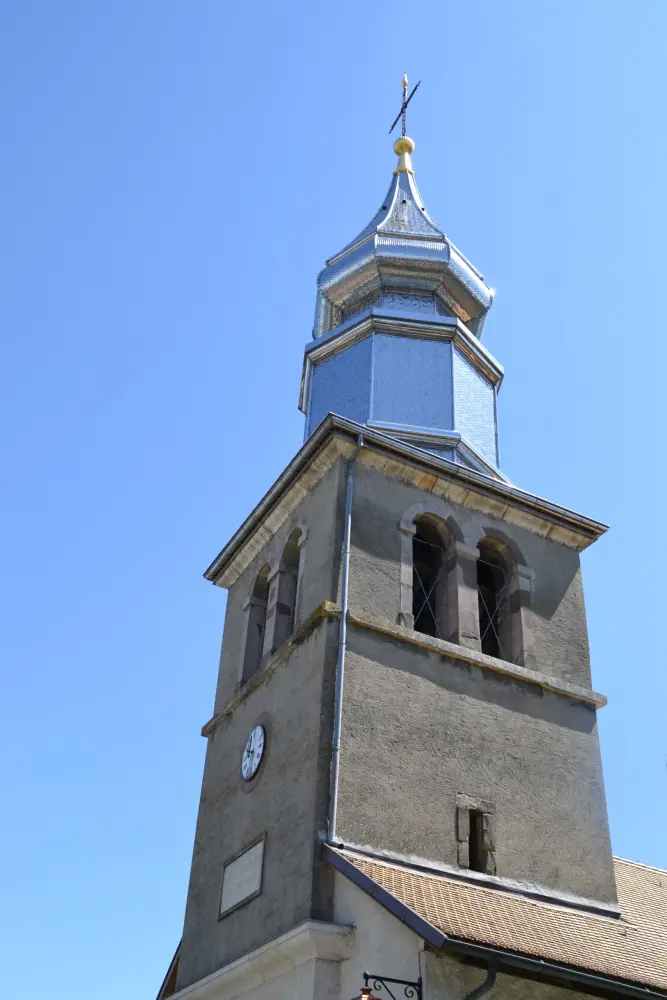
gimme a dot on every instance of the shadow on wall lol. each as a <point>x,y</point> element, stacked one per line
<point>553,575</point>
<point>555,566</point>
<point>471,681</point>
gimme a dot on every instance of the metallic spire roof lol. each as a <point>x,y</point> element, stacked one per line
<point>403,212</point>
<point>401,245</point>
<point>396,339</point>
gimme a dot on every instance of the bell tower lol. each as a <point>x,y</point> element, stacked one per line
<point>404,671</point>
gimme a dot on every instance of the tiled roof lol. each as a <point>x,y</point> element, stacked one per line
<point>633,948</point>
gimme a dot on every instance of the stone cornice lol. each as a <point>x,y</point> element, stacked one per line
<point>462,653</point>
<point>310,940</point>
<point>309,466</point>
<point>337,436</point>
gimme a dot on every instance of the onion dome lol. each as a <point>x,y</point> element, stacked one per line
<point>402,247</point>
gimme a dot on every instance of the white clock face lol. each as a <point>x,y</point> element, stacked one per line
<point>253,753</point>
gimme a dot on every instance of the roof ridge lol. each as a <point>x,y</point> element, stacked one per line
<point>640,864</point>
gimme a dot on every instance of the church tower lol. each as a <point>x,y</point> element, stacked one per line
<point>404,731</point>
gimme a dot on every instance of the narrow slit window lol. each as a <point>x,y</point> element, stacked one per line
<point>476,850</point>
<point>475,835</point>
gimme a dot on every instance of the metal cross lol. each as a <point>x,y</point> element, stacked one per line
<point>406,101</point>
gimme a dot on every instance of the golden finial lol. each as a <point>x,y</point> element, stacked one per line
<point>405,82</point>
<point>403,147</point>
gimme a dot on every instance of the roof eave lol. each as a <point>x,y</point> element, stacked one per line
<point>509,960</point>
<point>587,529</point>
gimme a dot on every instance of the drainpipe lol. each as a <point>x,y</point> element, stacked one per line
<point>491,973</point>
<point>342,642</point>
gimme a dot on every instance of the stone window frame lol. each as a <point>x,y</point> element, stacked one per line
<point>520,585</point>
<point>255,610</point>
<point>437,514</point>
<point>460,567</point>
<point>272,637</point>
<point>463,627</point>
<point>276,635</point>
<point>465,804</point>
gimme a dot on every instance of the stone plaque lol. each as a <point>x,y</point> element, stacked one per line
<point>242,878</point>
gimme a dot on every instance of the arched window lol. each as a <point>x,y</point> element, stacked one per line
<point>429,579</point>
<point>256,625</point>
<point>288,579</point>
<point>495,625</point>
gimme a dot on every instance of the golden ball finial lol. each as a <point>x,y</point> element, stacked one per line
<point>404,145</point>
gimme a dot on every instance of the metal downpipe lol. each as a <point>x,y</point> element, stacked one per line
<point>488,983</point>
<point>342,642</point>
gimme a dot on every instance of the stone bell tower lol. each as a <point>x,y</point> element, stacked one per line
<point>404,670</point>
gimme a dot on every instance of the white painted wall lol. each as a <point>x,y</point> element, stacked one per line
<point>381,943</point>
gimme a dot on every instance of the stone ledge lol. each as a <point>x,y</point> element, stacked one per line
<point>326,611</point>
<point>363,620</point>
<point>310,940</point>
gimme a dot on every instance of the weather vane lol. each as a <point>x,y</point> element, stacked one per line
<point>406,101</point>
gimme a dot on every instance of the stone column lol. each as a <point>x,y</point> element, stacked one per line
<point>405,615</point>
<point>254,632</point>
<point>522,647</point>
<point>464,604</point>
<point>272,632</point>
<point>298,609</point>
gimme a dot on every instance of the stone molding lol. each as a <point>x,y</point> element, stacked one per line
<point>337,437</point>
<point>363,620</point>
<point>326,611</point>
<point>311,940</point>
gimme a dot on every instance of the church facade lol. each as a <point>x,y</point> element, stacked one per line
<point>403,792</point>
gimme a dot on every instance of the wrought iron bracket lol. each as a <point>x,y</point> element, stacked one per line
<point>411,990</point>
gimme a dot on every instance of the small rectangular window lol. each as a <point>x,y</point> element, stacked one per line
<point>476,848</point>
<point>477,853</point>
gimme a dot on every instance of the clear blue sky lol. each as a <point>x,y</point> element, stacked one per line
<point>173,176</point>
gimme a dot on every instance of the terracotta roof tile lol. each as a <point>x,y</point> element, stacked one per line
<point>633,948</point>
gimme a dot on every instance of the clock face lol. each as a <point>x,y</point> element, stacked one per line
<point>253,753</point>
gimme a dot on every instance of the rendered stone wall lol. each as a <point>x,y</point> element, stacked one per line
<point>293,698</point>
<point>287,801</point>
<point>320,514</point>
<point>447,978</point>
<point>420,728</point>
